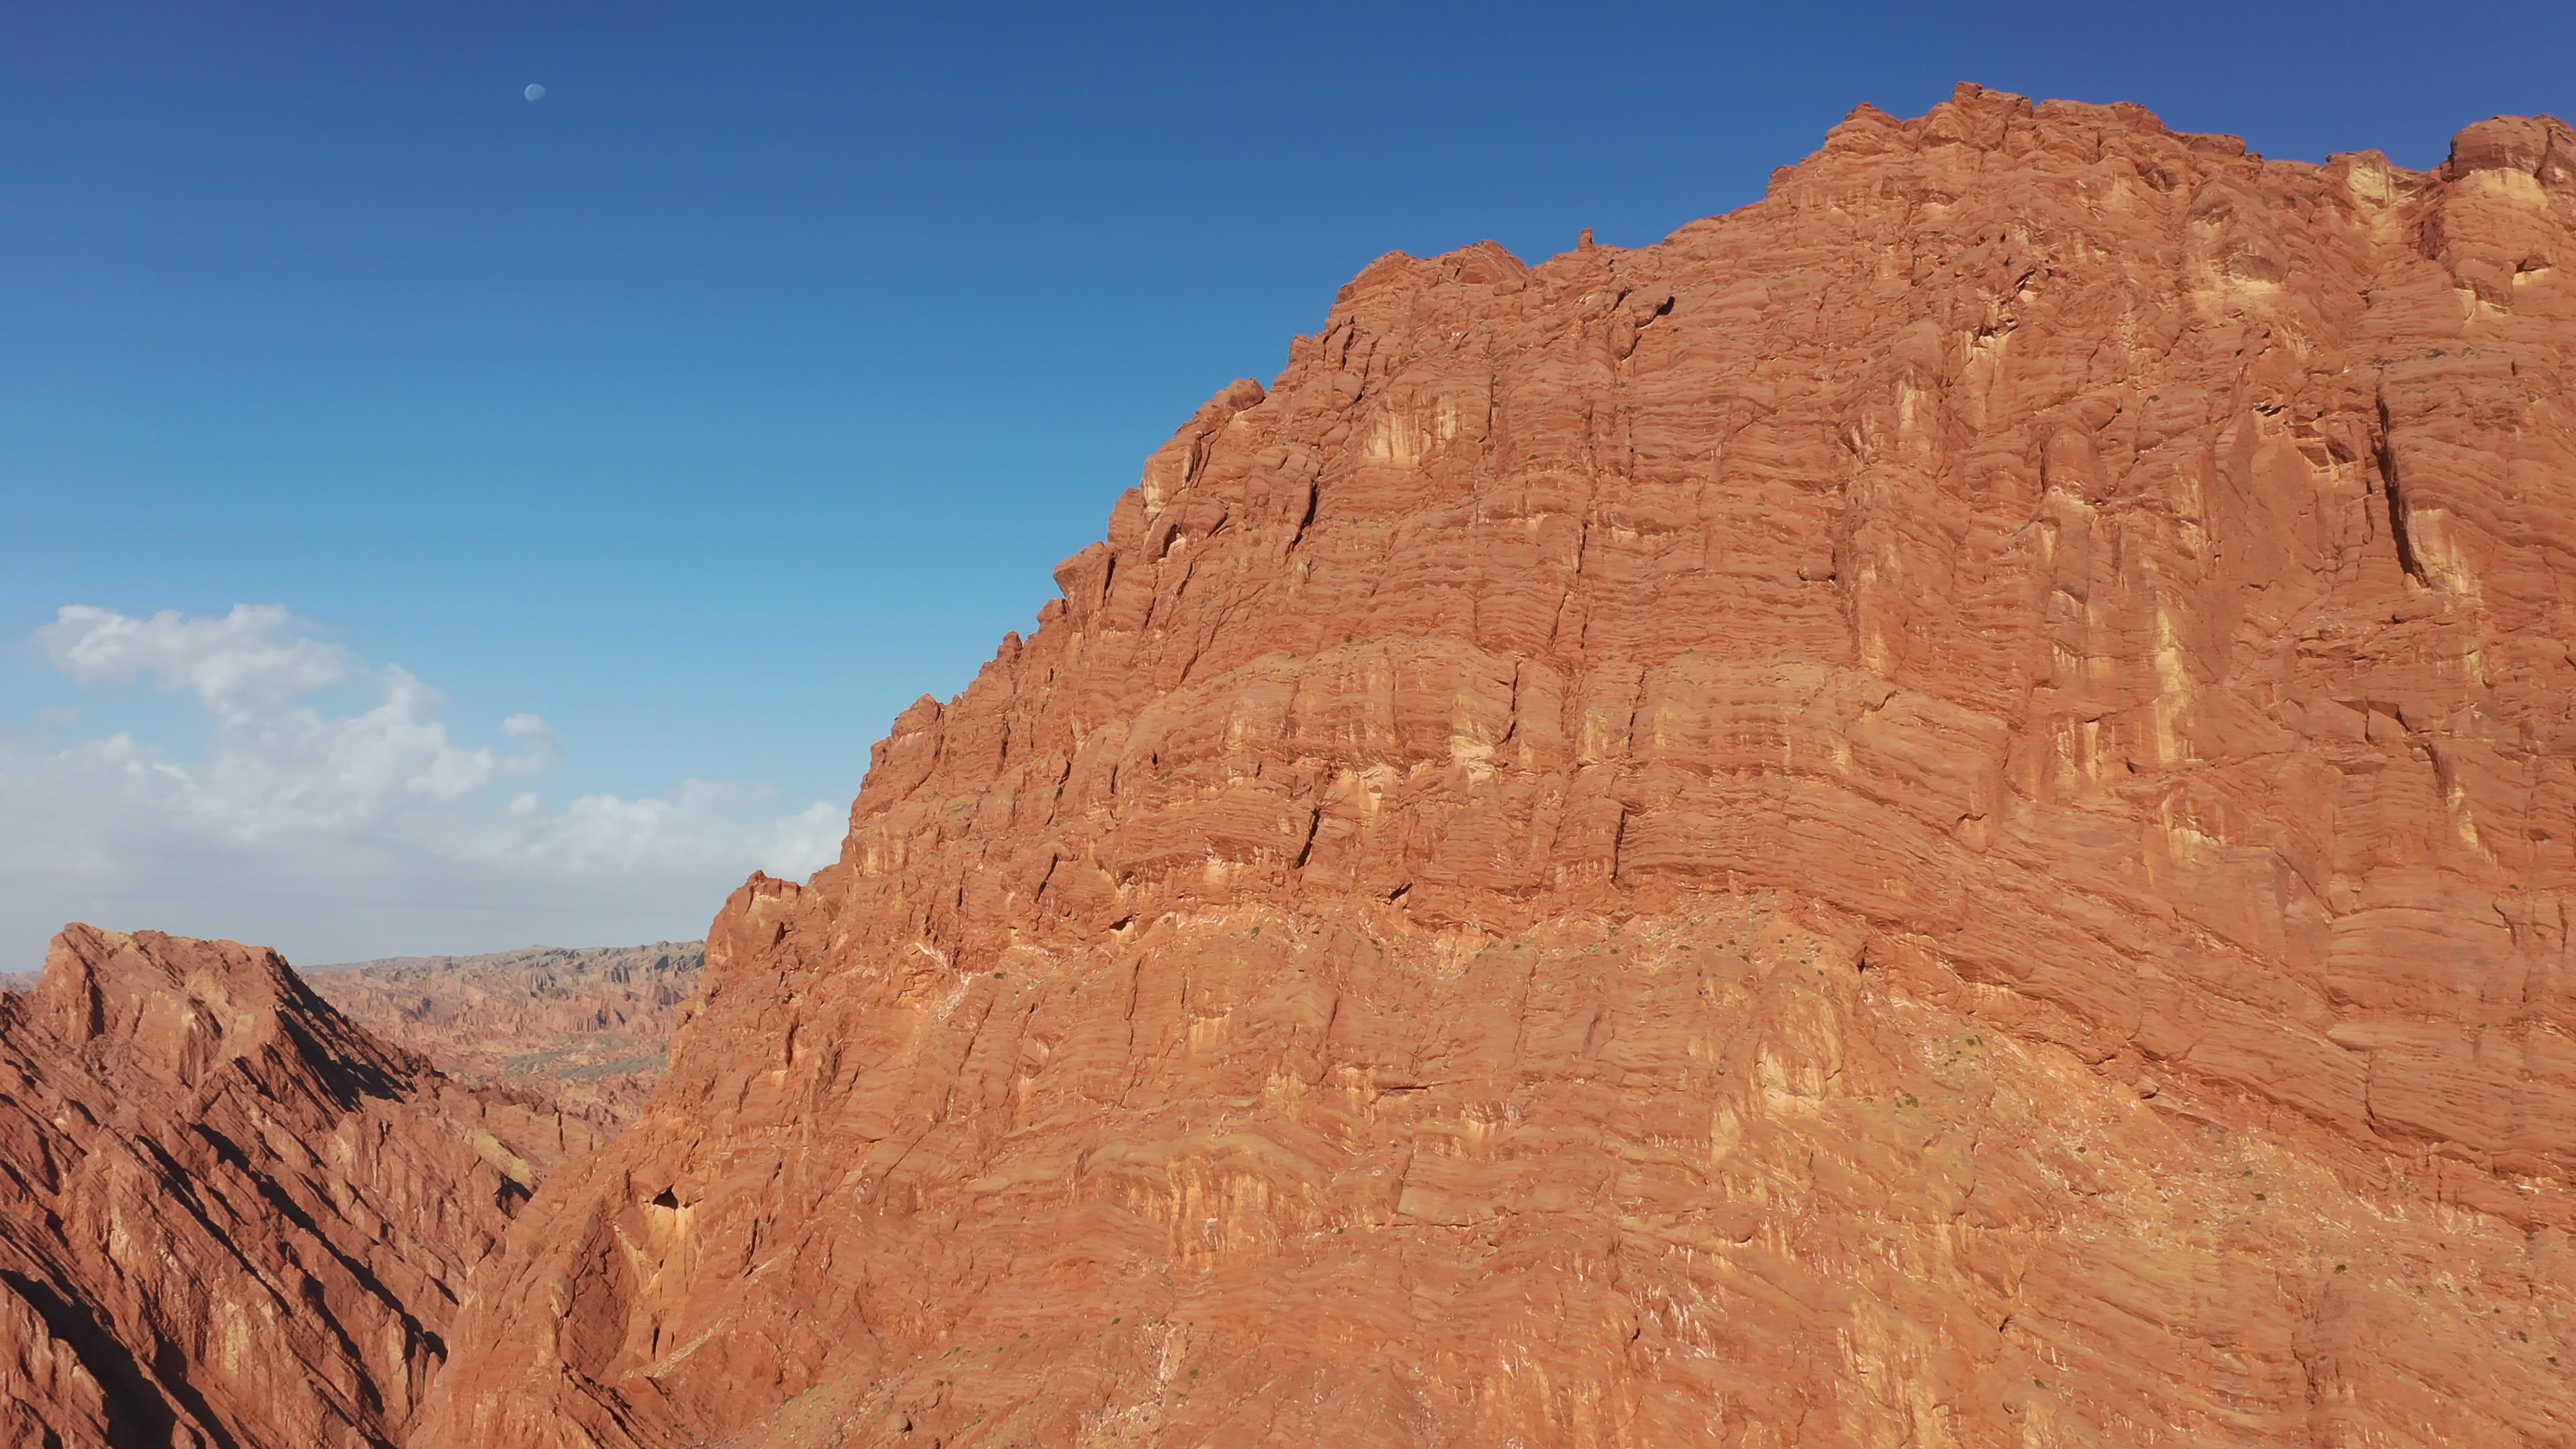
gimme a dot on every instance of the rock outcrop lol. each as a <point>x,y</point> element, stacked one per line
<point>1938,811</point>
<point>230,1218</point>
<point>588,1028</point>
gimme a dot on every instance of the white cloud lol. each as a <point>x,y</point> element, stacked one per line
<point>339,835</point>
<point>253,657</point>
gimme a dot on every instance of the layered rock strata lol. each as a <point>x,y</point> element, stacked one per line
<point>1938,811</point>
<point>230,1218</point>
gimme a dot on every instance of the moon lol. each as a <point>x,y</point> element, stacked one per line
<point>534,93</point>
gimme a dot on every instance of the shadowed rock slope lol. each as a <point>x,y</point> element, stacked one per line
<point>588,1028</point>
<point>228,1216</point>
<point>1935,812</point>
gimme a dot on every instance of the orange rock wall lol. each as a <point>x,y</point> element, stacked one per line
<point>1935,812</point>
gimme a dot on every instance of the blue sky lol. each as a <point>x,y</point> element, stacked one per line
<point>749,384</point>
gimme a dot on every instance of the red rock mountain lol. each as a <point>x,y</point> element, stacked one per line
<point>1935,812</point>
<point>584,1028</point>
<point>229,1218</point>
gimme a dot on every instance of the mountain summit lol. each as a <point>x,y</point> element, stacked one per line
<point>1941,811</point>
<point>1936,811</point>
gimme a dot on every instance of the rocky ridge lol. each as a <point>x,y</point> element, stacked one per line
<point>229,1217</point>
<point>1936,811</point>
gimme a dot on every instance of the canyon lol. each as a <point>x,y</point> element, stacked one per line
<point>584,1028</point>
<point>1939,811</point>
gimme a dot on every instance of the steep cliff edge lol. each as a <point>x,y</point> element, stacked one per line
<point>1937,811</point>
<point>228,1217</point>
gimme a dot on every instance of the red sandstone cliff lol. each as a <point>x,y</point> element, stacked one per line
<point>228,1217</point>
<point>1938,811</point>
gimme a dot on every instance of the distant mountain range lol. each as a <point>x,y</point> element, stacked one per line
<point>588,1027</point>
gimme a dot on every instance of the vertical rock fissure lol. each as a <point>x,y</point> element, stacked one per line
<point>1314,497</point>
<point>2384,452</point>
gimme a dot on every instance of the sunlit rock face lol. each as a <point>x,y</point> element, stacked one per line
<point>229,1217</point>
<point>1935,812</point>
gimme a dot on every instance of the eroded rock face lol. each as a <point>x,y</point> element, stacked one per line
<point>229,1216</point>
<point>589,1028</point>
<point>1938,811</point>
